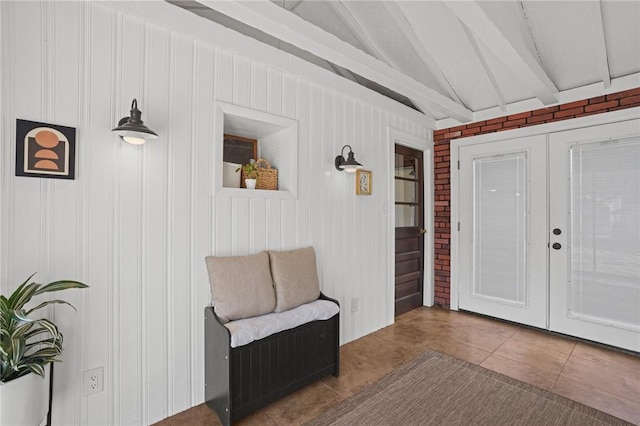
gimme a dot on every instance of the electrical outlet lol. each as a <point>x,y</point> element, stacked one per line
<point>354,304</point>
<point>93,381</point>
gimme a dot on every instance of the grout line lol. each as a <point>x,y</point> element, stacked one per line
<point>563,366</point>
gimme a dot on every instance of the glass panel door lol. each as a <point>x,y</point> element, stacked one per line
<point>595,233</point>
<point>502,269</point>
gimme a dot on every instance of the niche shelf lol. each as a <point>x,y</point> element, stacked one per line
<point>277,143</point>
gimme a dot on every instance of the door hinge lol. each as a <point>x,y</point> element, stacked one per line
<point>458,226</point>
<point>458,164</point>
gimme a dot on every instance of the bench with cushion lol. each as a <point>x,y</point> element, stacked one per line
<point>269,332</point>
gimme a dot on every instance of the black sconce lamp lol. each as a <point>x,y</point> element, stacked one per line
<point>132,130</point>
<point>349,165</point>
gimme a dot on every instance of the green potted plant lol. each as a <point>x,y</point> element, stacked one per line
<point>250,171</point>
<point>28,344</point>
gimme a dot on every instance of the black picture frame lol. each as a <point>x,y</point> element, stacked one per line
<point>45,150</point>
<point>239,150</point>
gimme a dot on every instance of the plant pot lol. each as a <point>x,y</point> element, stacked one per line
<point>250,183</point>
<point>24,401</point>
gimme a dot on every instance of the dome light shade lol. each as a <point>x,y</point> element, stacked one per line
<point>350,165</point>
<point>132,129</point>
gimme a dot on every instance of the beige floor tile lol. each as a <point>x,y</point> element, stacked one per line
<point>534,352</point>
<point>599,399</point>
<point>595,376</point>
<point>544,340</point>
<point>601,376</point>
<point>459,350</point>
<point>624,362</point>
<point>538,377</point>
<point>303,405</point>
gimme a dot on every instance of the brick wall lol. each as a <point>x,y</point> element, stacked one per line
<point>442,182</point>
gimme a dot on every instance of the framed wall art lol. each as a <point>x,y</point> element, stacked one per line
<point>363,182</point>
<point>45,150</point>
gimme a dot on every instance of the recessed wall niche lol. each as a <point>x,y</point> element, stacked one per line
<point>277,143</point>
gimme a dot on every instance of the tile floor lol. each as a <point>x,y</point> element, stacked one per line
<point>599,377</point>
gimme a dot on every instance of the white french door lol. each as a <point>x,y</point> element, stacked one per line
<point>503,203</point>
<point>595,233</point>
<point>550,231</point>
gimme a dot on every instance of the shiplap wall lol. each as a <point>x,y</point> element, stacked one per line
<point>138,221</point>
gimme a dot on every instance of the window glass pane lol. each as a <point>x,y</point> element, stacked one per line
<point>605,232</point>
<point>406,191</point>
<point>406,215</point>
<point>499,228</point>
<point>406,167</point>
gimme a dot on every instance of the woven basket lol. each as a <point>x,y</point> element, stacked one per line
<point>267,176</point>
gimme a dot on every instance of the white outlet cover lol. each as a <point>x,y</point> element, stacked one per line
<point>93,381</point>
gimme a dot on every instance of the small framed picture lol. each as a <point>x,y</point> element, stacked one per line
<point>363,182</point>
<point>45,150</point>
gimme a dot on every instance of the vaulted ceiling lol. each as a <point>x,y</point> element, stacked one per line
<point>453,60</point>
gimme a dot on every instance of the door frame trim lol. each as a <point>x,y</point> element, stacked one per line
<point>425,145</point>
<point>556,126</point>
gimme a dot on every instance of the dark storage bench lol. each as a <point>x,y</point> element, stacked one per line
<point>269,331</point>
<point>239,381</point>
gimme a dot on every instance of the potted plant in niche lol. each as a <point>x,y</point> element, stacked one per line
<point>250,174</point>
<point>28,344</point>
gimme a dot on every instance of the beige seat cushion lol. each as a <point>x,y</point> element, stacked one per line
<point>241,286</point>
<point>295,277</point>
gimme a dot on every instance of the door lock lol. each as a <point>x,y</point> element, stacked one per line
<point>423,231</point>
<point>557,231</point>
<point>556,246</point>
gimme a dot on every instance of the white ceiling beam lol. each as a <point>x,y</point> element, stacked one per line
<point>286,26</point>
<point>600,48</point>
<point>346,16</point>
<point>509,48</point>
<point>398,16</point>
<point>351,22</point>
<point>502,103</point>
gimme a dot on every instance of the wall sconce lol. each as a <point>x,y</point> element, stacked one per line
<point>132,130</point>
<point>349,165</point>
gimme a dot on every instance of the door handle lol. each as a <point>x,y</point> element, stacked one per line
<point>423,231</point>
<point>556,246</point>
<point>557,231</point>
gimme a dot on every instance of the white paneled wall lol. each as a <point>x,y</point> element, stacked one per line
<point>138,221</point>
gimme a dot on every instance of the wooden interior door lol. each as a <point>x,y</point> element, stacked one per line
<point>409,225</point>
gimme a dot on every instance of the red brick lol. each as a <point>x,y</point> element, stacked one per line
<point>630,100</point>
<point>568,112</point>
<point>545,110</point>
<point>452,135</point>
<point>437,137</point>
<point>624,94</point>
<point>497,120</point>
<point>597,100</point>
<point>601,106</point>
<point>540,118</point>
<point>458,128</point>
<point>491,127</point>
<point>470,131</point>
<point>584,114</point>
<point>440,132</point>
<point>512,123</point>
<point>575,104</point>
<point>519,116</point>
